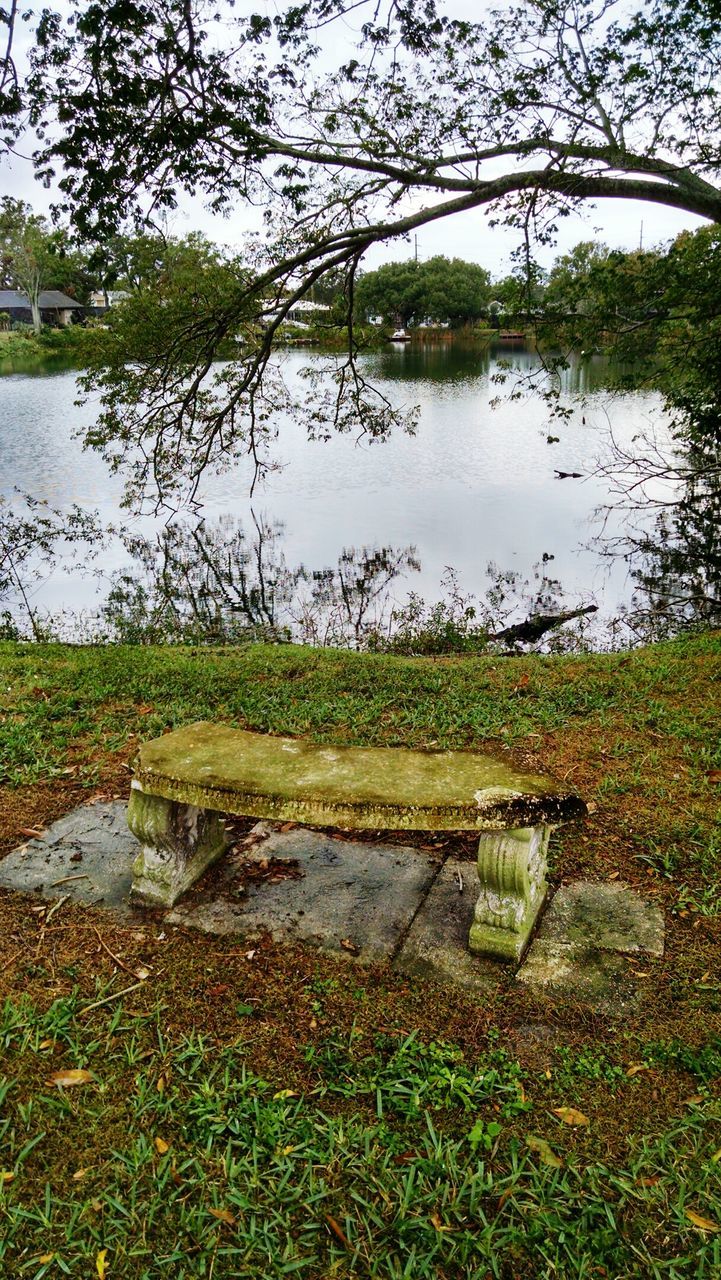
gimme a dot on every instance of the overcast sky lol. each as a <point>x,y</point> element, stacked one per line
<point>619,224</point>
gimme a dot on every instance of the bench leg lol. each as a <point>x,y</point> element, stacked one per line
<point>512,872</point>
<point>178,842</point>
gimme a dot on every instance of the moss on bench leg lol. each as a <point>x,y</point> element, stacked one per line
<point>512,872</point>
<point>178,842</point>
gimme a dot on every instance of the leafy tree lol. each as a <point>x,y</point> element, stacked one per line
<point>528,112</point>
<point>31,254</point>
<point>440,289</point>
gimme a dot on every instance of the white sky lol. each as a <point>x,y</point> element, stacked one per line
<point>617,223</point>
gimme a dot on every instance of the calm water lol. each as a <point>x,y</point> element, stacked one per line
<point>476,484</point>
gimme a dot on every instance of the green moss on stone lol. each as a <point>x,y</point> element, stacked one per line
<point>230,770</point>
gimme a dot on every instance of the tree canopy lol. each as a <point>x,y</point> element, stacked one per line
<point>440,290</point>
<point>342,144</point>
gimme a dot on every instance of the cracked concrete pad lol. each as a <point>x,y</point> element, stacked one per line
<point>603,917</point>
<point>437,943</point>
<point>90,850</point>
<point>599,979</point>
<point>579,951</point>
<point>365,894</point>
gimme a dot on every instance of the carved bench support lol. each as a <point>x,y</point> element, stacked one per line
<point>178,842</point>
<point>512,872</point>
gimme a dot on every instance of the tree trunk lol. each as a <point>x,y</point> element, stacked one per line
<point>35,309</point>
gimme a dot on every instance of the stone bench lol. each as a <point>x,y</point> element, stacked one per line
<point>186,780</point>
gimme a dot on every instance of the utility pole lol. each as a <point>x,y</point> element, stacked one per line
<point>640,239</point>
<point>416,240</point>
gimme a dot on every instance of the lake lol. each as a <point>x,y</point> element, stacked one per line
<point>475,485</point>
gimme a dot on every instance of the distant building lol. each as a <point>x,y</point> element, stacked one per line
<point>55,307</point>
<point>101,299</point>
<point>304,312</point>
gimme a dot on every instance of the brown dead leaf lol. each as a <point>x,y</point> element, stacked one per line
<point>698,1220</point>
<point>694,1100</point>
<point>224,1215</point>
<point>635,1067</point>
<point>591,806</point>
<point>569,1115</point>
<point>81,1173</point>
<point>439,1226</point>
<point>614,875</point>
<point>6,1177</point>
<point>338,1231</point>
<point>66,1079</point>
<point>348,945</point>
<point>648,1182</point>
<point>545,1151</point>
<point>161,1146</point>
<point>714,775</point>
<point>31,833</point>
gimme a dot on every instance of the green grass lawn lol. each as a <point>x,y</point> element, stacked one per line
<point>281,1112</point>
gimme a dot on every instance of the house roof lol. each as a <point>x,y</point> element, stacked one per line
<point>50,300</point>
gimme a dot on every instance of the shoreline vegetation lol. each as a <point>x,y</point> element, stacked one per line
<point>76,345</point>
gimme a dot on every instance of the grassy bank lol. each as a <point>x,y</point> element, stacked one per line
<point>280,1112</point>
<point>26,351</point>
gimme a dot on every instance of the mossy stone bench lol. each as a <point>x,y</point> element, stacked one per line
<point>184,782</point>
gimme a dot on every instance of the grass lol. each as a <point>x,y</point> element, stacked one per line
<point>398,1160</point>
<point>325,1120</point>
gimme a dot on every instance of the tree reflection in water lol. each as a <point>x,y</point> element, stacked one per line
<point>675,556</point>
<point>216,583</point>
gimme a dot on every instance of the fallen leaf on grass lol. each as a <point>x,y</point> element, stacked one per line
<point>698,1220</point>
<point>101,1265</point>
<point>6,1177</point>
<point>569,1115</point>
<point>285,1093</point>
<point>338,1231</point>
<point>220,989</point>
<point>714,775</point>
<point>649,1182</point>
<point>80,1173</point>
<point>635,1067</point>
<point>46,1257</point>
<point>351,946</point>
<point>545,1151</point>
<point>65,1079</point>
<point>694,1100</point>
<point>439,1226</point>
<point>224,1215</point>
<point>161,1146</point>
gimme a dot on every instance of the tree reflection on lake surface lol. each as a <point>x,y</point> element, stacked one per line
<point>348,530</point>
